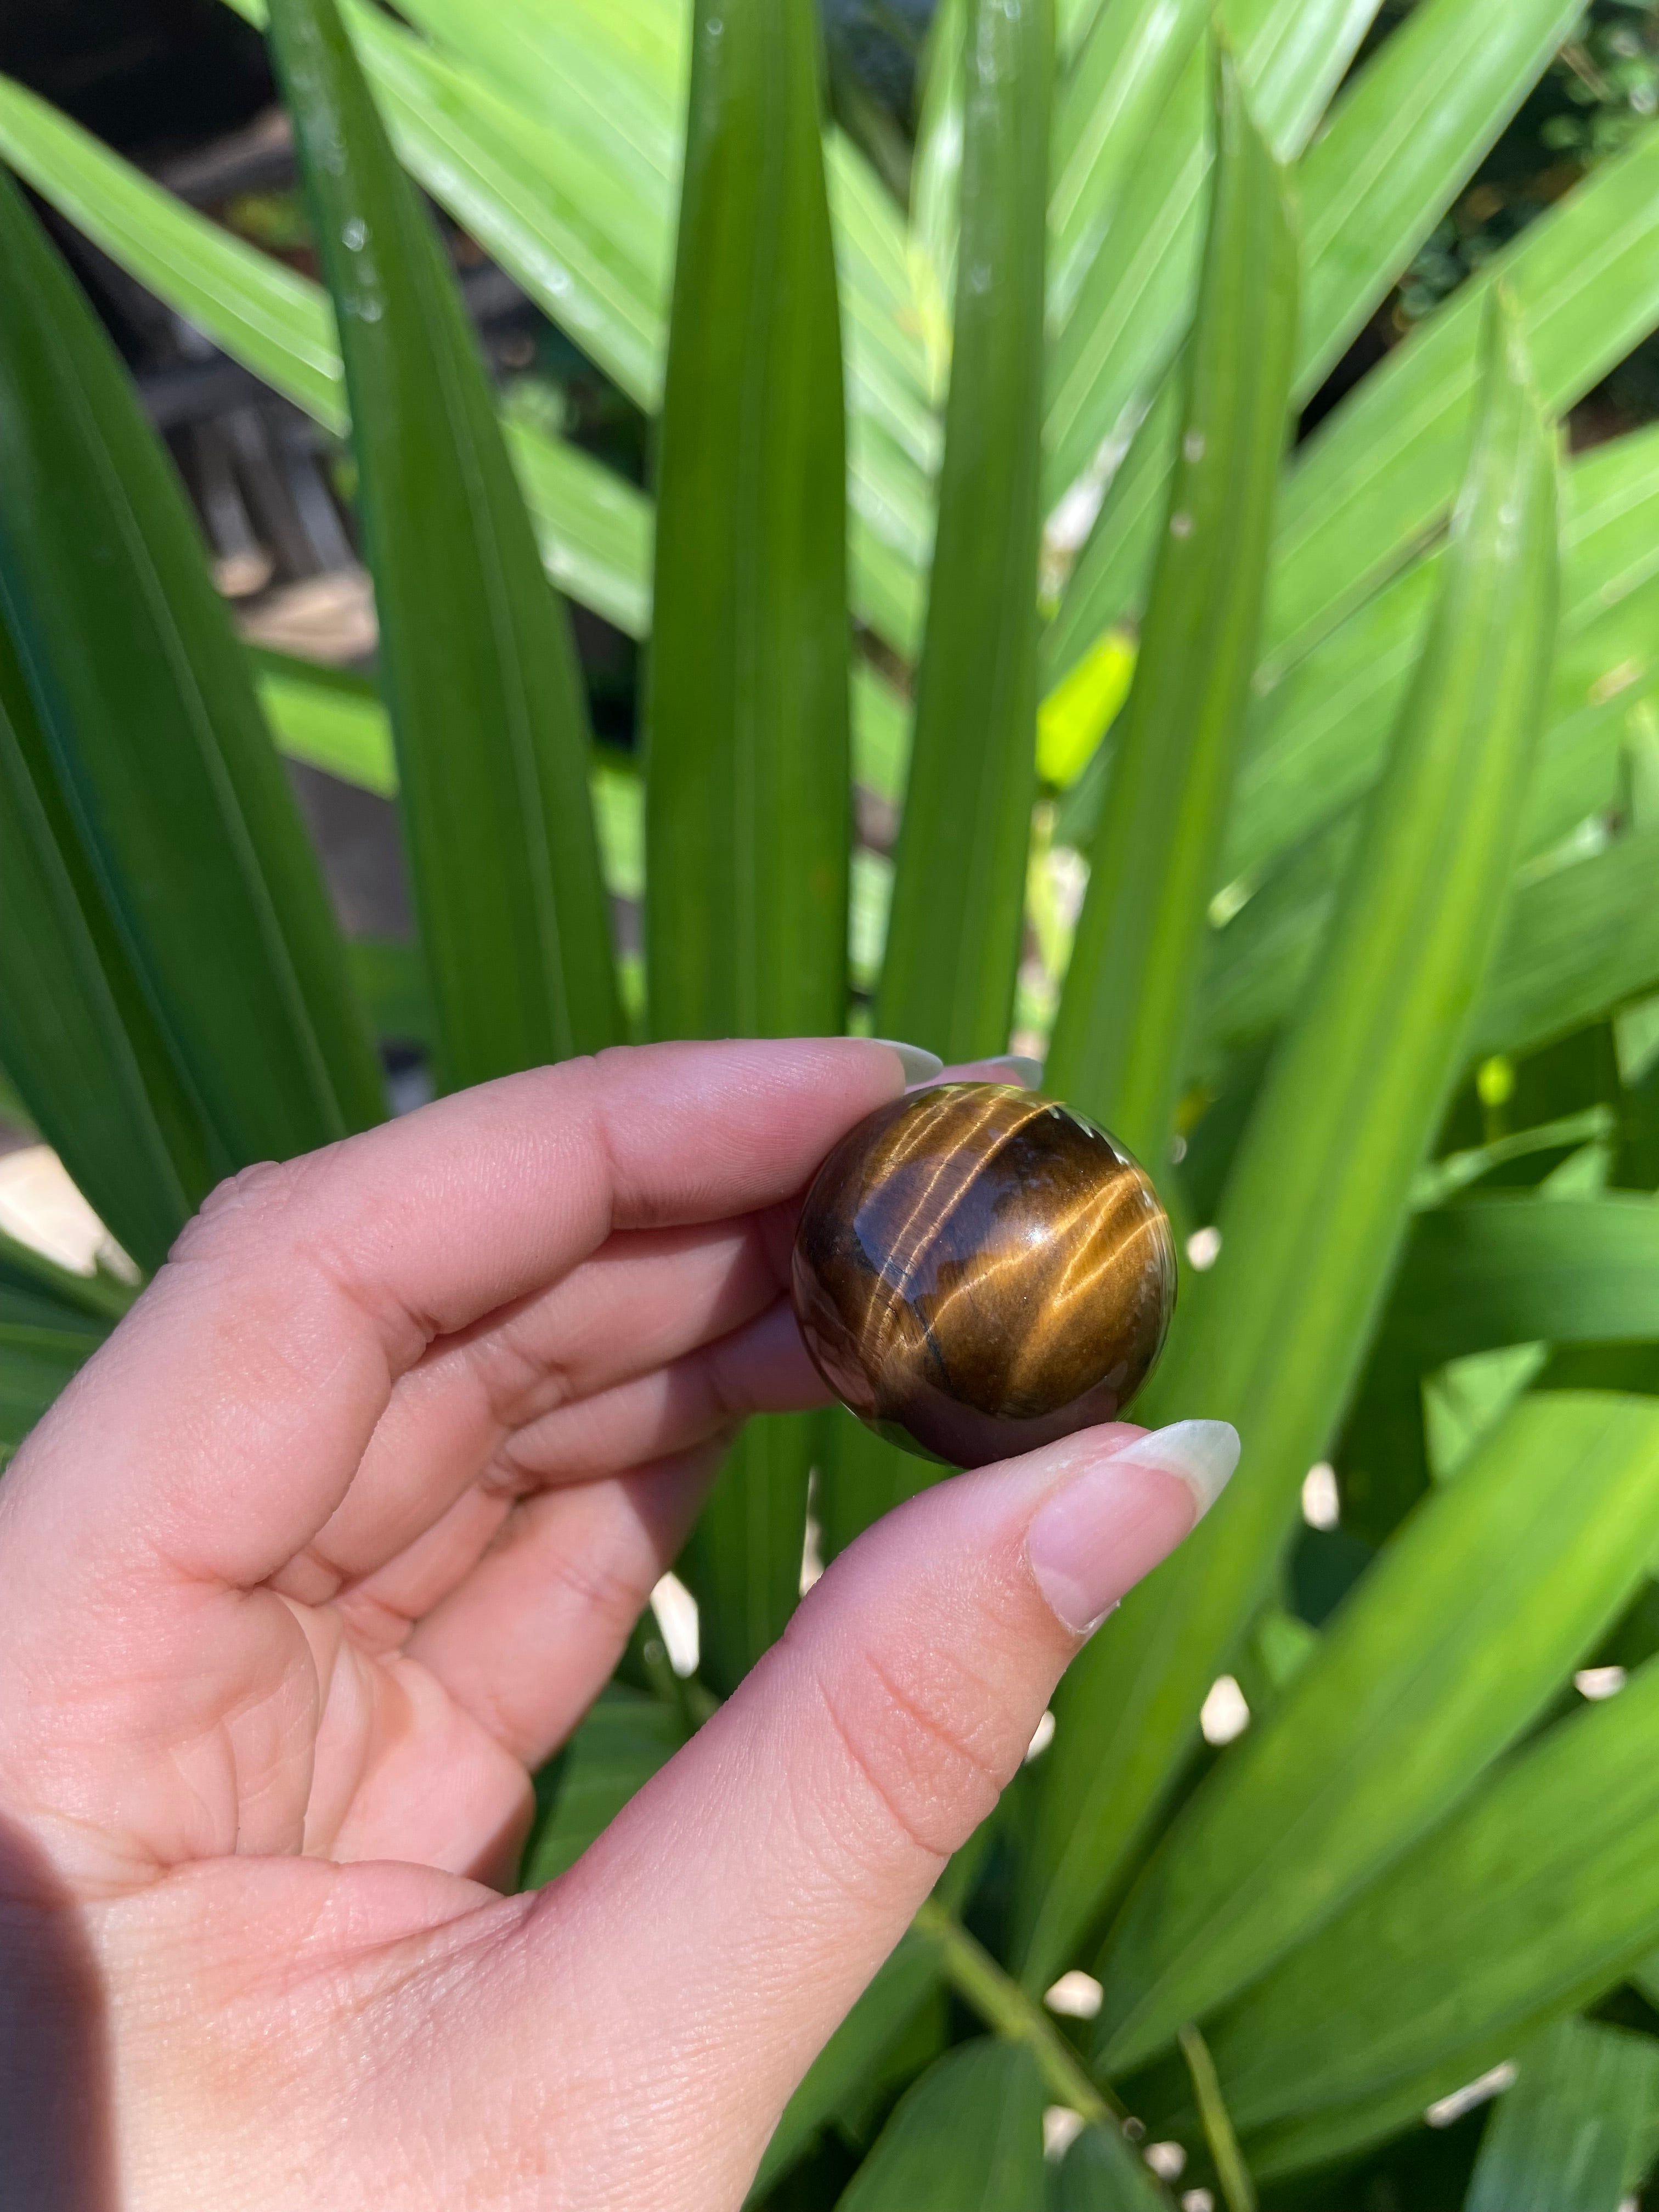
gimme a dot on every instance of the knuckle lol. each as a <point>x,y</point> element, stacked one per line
<point>248,1207</point>
<point>916,1741</point>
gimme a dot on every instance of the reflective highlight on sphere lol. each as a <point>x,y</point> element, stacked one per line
<point>978,1271</point>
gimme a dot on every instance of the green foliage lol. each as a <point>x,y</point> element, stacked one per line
<point>1368,964</point>
<point>476,654</point>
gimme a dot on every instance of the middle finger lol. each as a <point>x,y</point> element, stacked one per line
<point>644,1300</point>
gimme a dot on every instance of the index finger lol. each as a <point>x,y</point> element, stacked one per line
<point>222,1425</point>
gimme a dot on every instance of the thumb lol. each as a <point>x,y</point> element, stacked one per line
<point>756,1884</point>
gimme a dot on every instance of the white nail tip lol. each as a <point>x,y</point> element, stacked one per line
<point>1020,1064</point>
<point>1202,1453</point>
<point>919,1064</point>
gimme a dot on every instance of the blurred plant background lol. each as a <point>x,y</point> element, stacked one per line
<point>1231,675</point>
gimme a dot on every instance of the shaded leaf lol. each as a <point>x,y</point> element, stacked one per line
<point>1272,1335</point>
<point>1469,1623</point>
<point>1538,1894</point>
<point>156,743</point>
<point>624,1738</point>
<point>476,655</point>
<point>1574,2132</point>
<point>901,1986</point>
<point>747,783</point>
<point>88,1056</point>
<point>948,980</point>
<point>1120,1043</point>
<point>966,2138</point>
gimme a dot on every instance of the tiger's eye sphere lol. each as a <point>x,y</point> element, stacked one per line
<point>977,1272</point>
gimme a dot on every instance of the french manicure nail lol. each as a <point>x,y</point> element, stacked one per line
<point>1021,1068</point>
<point>919,1066</point>
<point>1202,1453</point>
<point>1095,1538</point>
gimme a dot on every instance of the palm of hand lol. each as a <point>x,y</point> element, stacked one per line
<point>334,1543</point>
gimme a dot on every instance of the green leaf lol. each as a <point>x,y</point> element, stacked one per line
<point>1111,98</point>
<point>85,1052</point>
<point>861,1477</point>
<point>263,315</point>
<point>856,2049</point>
<point>620,1744</point>
<point>1083,706</point>
<point>328,717</point>
<point>948,981</point>
<point>35,1363</point>
<point>1398,147</point>
<point>1378,476</point>
<point>391,979</point>
<point>1126,310</point>
<point>560,222</point>
<point>1102,2172</point>
<point>1497,1271</point>
<point>1120,1043</point>
<point>1579,942</point>
<point>334,721</point>
<point>1537,1895</point>
<point>1453,1643</point>
<point>967,2137</point>
<point>593,526</point>
<point>1318,738</point>
<point>608,81</point>
<point>1574,2133</point>
<point>166,768</point>
<point>1397,143</point>
<point>743,1560</point>
<point>748,766</point>
<point>476,655</point>
<point>1576,943</point>
<point>1273,1336</point>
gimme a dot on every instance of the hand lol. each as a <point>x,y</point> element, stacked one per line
<point>336,1539</point>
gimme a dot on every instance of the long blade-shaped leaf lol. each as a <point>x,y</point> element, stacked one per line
<point>1499,1271</point>
<point>1120,1043</point>
<point>967,2137</point>
<point>948,981</point>
<point>1274,1334</point>
<point>1578,943</point>
<point>166,768</point>
<point>1130,304</point>
<point>1540,1892</point>
<point>79,1039</point>
<point>1398,147</point>
<point>1113,94</point>
<point>1379,474</point>
<point>1318,738</point>
<point>748,771</point>
<point>1469,1624</point>
<point>478,661</point>
<point>274,321</point>
<point>1576,2128</point>
<point>595,527</point>
<point>901,1986</point>
<point>1408,131</point>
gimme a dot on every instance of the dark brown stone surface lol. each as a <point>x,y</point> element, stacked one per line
<point>978,1271</point>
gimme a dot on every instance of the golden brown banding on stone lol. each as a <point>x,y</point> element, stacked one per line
<point>978,1271</point>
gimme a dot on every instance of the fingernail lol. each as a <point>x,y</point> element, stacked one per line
<point>1021,1067</point>
<point>1095,1539</point>
<point>918,1063</point>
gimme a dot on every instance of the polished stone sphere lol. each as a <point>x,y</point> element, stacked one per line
<point>978,1271</point>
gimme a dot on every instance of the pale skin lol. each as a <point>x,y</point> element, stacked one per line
<point>334,1543</point>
